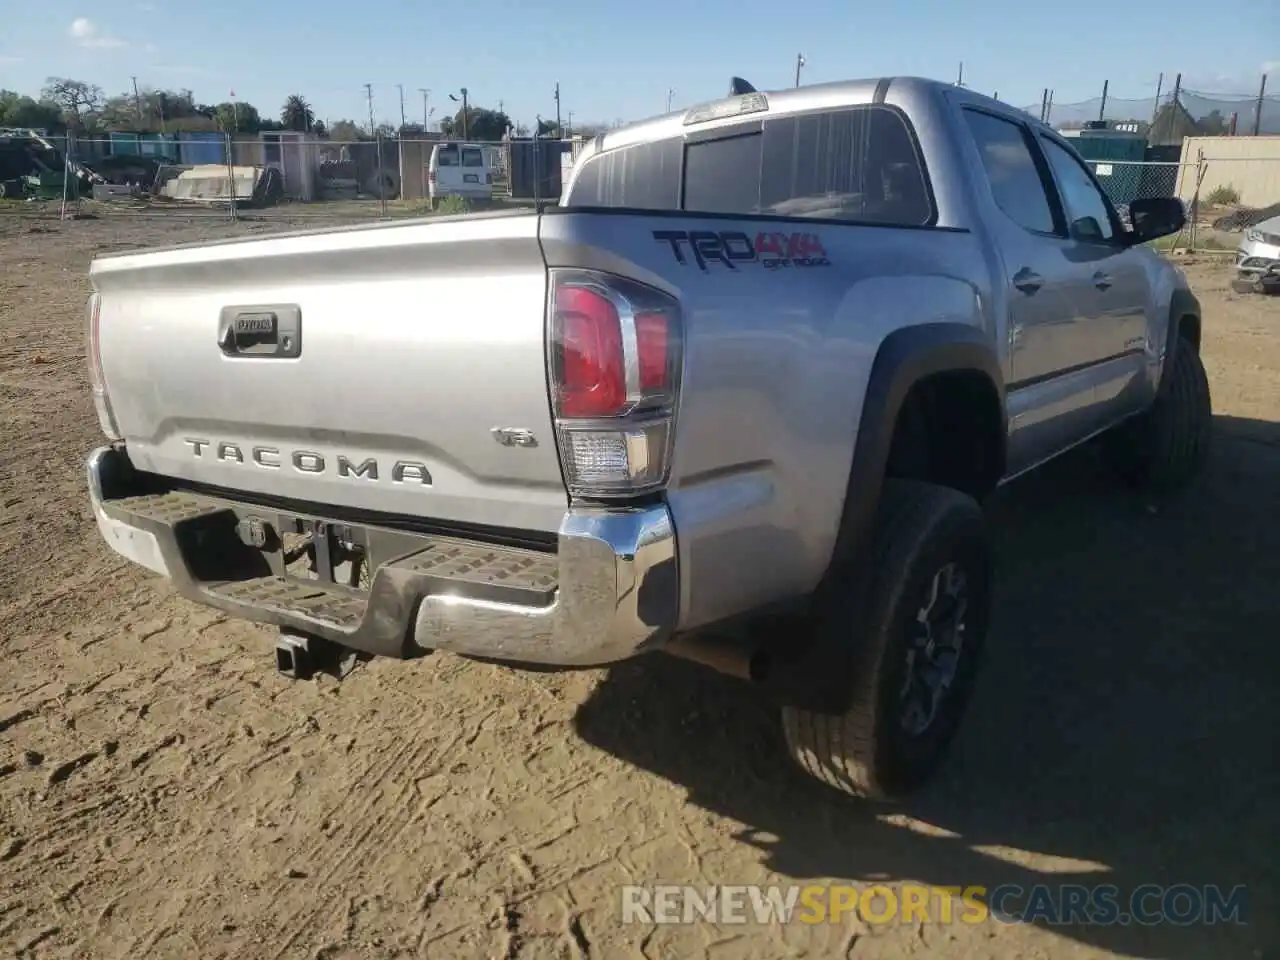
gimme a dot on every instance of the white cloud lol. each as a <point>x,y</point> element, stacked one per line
<point>86,34</point>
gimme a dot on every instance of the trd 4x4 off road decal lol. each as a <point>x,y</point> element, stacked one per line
<point>732,248</point>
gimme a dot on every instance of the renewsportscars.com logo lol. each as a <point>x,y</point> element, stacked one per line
<point>1097,905</point>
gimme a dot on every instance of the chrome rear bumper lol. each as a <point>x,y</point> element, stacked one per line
<point>609,592</point>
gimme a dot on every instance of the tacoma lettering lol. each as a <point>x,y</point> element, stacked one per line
<point>309,461</point>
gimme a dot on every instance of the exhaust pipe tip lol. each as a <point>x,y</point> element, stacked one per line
<point>724,655</point>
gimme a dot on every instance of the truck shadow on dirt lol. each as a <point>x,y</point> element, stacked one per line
<point>1123,730</point>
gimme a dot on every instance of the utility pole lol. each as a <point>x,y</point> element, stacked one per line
<point>1044,104</point>
<point>1102,108</point>
<point>425,94</point>
<point>465,130</point>
<point>799,64</point>
<point>671,92</point>
<point>559,129</point>
<point>368,92</point>
<point>1177,94</point>
<point>1156,109</point>
<point>137,101</point>
<point>1257,111</point>
<point>569,132</point>
<point>400,139</point>
<point>960,75</point>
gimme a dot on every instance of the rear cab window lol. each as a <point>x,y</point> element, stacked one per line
<point>644,177</point>
<point>472,157</point>
<point>447,156</point>
<point>858,164</point>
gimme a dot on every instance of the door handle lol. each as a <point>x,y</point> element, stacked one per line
<point>1101,281</point>
<point>1028,281</point>
<point>271,331</point>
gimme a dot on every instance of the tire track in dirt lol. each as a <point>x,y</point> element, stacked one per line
<point>385,828</point>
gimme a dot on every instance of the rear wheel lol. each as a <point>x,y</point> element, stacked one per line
<point>1163,449</point>
<point>918,645</point>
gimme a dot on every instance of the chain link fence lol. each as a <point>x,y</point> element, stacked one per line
<point>1168,114</point>
<point>291,177</point>
<point>273,175</point>
<point>1224,196</point>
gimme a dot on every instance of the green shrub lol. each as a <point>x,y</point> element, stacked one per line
<point>1222,195</point>
<point>453,205</point>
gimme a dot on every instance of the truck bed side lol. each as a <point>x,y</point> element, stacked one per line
<point>778,351</point>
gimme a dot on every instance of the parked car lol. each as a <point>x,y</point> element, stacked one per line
<point>460,170</point>
<point>1258,259</point>
<point>761,365</point>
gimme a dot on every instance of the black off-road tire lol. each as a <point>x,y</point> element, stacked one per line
<point>865,751</point>
<point>1162,450</point>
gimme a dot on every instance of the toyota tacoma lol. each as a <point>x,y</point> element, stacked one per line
<point>736,397</point>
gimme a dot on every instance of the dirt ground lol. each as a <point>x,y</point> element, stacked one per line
<point>163,792</point>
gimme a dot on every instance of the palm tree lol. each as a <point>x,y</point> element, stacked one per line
<point>297,113</point>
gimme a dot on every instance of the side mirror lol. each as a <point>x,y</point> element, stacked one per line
<point>1153,217</point>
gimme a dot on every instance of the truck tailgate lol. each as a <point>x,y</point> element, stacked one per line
<point>364,368</point>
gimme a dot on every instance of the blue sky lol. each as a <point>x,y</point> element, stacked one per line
<point>616,60</point>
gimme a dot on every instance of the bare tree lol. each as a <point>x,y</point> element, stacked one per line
<point>345,131</point>
<point>78,101</point>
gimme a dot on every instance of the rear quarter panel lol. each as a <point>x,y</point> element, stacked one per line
<point>776,365</point>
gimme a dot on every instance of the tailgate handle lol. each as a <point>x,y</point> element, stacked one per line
<point>269,331</point>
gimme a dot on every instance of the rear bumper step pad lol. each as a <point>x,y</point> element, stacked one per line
<point>609,592</point>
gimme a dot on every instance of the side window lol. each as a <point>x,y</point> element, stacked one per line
<point>448,157</point>
<point>1011,171</point>
<point>1088,217</point>
<point>471,157</point>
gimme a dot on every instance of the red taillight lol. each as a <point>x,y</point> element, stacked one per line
<point>614,370</point>
<point>97,379</point>
<point>592,372</point>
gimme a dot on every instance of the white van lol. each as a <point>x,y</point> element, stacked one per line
<point>460,170</point>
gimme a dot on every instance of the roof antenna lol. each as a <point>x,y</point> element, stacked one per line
<point>738,86</point>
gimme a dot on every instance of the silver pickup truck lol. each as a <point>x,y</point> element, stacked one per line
<point>737,397</point>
